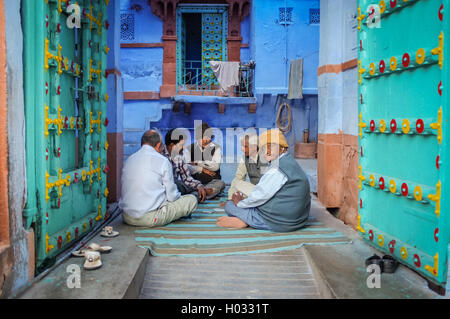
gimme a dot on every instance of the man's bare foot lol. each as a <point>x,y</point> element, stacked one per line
<point>230,222</point>
<point>220,218</point>
<point>222,204</point>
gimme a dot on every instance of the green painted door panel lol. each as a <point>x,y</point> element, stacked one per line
<point>403,134</point>
<point>65,101</point>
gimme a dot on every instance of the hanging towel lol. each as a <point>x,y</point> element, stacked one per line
<point>296,79</point>
<point>227,73</point>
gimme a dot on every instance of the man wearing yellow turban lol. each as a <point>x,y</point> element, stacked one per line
<point>281,200</point>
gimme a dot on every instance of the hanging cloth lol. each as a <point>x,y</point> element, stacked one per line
<point>296,79</point>
<point>227,73</point>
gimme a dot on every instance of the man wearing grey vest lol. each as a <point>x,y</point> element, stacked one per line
<point>204,158</point>
<point>281,200</point>
<point>251,165</point>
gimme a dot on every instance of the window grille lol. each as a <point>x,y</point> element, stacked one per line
<point>127,26</point>
<point>314,16</point>
<point>285,15</point>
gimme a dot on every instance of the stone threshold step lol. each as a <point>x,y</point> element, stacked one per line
<point>120,277</point>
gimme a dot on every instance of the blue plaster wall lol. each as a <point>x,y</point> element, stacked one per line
<point>142,68</point>
<point>273,45</point>
<point>18,278</point>
<point>338,93</point>
<point>115,82</point>
<point>267,40</point>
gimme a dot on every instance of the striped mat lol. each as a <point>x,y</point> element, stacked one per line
<point>199,236</point>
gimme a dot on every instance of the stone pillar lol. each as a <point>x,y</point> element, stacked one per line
<point>166,11</point>
<point>237,11</point>
<point>337,161</point>
<point>114,105</point>
<point>168,88</point>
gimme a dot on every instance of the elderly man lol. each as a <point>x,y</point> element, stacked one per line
<point>251,164</point>
<point>281,200</point>
<point>183,179</point>
<point>204,158</point>
<point>149,195</point>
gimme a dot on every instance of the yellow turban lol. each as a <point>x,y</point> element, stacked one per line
<point>273,136</point>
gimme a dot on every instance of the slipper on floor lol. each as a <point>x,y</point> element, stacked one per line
<point>375,260</point>
<point>389,264</point>
<point>92,247</point>
<point>92,260</point>
<point>108,231</point>
<point>100,249</point>
<point>79,253</point>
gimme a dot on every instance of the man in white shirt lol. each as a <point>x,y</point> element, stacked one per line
<point>149,195</point>
<point>281,200</point>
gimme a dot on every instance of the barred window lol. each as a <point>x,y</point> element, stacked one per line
<point>314,16</point>
<point>285,15</point>
<point>127,26</point>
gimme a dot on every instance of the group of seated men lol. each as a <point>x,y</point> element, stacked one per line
<point>162,183</point>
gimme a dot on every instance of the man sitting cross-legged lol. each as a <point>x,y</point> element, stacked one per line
<point>204,158</point>
<point>281,200</point>
<point>185,182</point>
<point>251,165</point>
<point>149,195</point>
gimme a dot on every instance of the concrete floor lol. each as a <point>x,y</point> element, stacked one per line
<point>282,275</point>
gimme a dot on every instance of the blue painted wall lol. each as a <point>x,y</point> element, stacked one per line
<point>142,68</point>
<point>115,82</point>
<point>271,45</point>
<point>12,280</point>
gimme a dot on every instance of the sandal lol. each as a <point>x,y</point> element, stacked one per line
<point>93,260</point>
<point>108,231</point>
<point>79,253</point>
<point>389,264</point>
<point>100,249</point>
<point>92,247</point>
<point>375,259</point>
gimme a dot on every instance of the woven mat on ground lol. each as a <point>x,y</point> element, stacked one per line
<point>199,236</point>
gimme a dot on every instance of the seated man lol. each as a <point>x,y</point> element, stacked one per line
<point>204,158</point>
<point>250,165</point>
<point>149,195</point>
<point>185,182</point>
<point>281,200</point>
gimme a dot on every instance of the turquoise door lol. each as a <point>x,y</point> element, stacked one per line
<point>213,44</point>
<point>65,100</point>
<point>214,31</point>
<point>403,132</point>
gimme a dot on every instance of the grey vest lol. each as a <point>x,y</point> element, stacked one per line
<point>255,170</point>
<point>288,209</point>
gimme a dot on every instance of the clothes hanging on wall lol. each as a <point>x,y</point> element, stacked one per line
<point>296,79</point>
<point>227,73</point>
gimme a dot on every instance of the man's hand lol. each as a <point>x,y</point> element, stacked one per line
<point>209,191</point>
<point>237,197</point>
<point>210,173</point>
<point>202,193</point>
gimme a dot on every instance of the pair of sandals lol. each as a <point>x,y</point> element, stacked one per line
<point>92,253</point>
<point>386,263</point>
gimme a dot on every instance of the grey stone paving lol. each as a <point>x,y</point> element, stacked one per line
<point>280,275</point>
